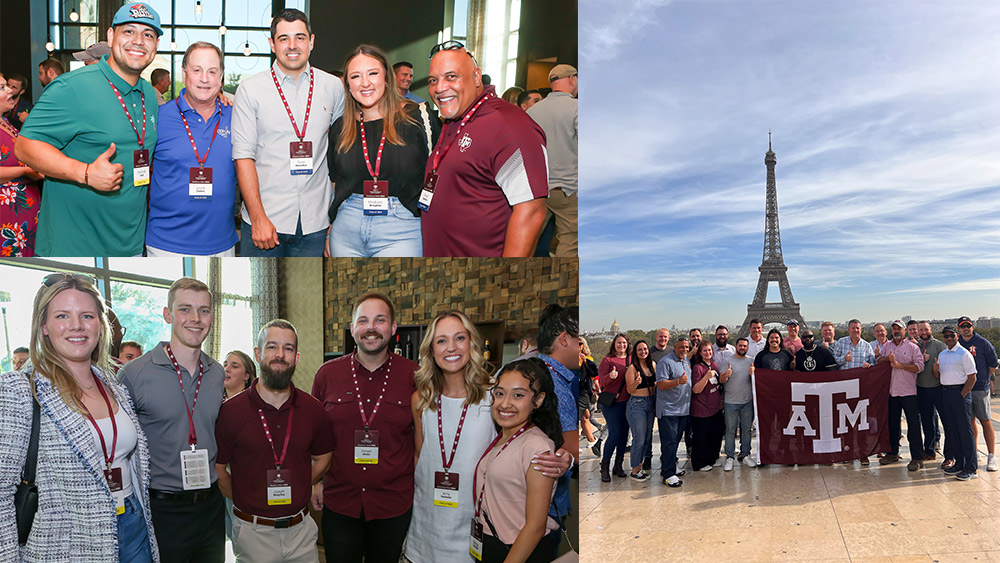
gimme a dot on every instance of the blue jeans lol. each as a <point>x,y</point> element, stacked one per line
<point>288,245</point>
<point>639,413</point>
<point>929,404</point>
<point>671,428</point>
<point>957,417</point>
<point>617,430</point>
<point>133,536</point>
<point>741,417</point>
<point>355,234</point>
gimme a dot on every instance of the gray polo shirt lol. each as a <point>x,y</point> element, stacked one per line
<point>925,377</point>
<point>263,132</point>
<point>676,401</point>
<point>557,116</point>
<point>152,382</point>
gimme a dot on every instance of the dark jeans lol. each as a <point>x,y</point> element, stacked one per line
<point>706,434</point>
<point>956,415</point>
<point>908,406</point>
<point>496,551</point>
<point>671,428</point>
<point>929,403</point>
<point>288,245</point>
<point>617,430</point>
<point>350,539</point>
<point>192,532</point>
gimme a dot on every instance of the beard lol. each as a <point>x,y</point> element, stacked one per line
<point>279,380</point>
<point>721,342</point>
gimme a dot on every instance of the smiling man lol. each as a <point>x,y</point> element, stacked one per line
<point>91,134</point>
<point>404,78</point>
<point>193,191</point>
<point>177,390</point>
<point>487,180</point>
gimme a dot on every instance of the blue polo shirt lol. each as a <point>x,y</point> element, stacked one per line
<point>986,357</point>
<point>676,401</point>
<point>177,221</point>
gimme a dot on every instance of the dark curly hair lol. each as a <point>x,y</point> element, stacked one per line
<point>545,417</point>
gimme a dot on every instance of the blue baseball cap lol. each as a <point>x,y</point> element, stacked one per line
<point>138,12</point>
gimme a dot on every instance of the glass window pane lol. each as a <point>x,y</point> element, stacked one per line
<point>78,38</point>
<point>259,14</point>
<point>240,67</point>
<point>510,78</point>
<point>166,268</point>
<point>86,12</point>
<point>139,309</point>
<point>17,293</point>
<point>211,12</point>
<point>460,24</point>
<point>162,7</point>
<point>515,15</point>
<point>236,40</point>
<point>237,328</point>
<point>512,46</point>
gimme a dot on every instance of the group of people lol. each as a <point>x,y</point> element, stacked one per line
<point>702,391</point>
<point>145,463</point>
<point>477,177</point>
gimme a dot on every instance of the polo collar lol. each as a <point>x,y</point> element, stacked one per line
<point>124,87</point>
<point>282,76</point>
<point>563,371</point>
<point>259,403</point>
<point>160,358</point>
<point>186,107</point>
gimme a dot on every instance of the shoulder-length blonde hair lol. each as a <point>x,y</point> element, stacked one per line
<point>44,357</point>
<point>429,379</point>
<point>390,105</point>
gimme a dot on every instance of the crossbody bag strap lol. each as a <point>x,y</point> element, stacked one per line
<point>28,472</point>
<point>427,125</point>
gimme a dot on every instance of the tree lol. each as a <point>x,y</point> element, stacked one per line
<point>139,313</point>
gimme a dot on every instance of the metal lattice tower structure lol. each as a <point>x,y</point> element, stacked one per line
<point>772,267</point>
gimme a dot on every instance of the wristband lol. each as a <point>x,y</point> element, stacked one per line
<point>86,172</point>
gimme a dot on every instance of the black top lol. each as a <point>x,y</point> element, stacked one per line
<point>402,166</point>
<point>645,381</point>
<point>817,359</point>
<point>780,360</point>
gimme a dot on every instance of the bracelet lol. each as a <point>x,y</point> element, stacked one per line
<point>86,172</point>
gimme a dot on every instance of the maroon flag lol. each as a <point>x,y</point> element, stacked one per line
<point>821,417</point>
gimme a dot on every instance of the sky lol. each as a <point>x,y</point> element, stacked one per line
<point>885,119</point>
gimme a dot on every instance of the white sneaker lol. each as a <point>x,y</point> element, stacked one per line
<point>706,468</point>
<point>991,462</point>
<point>749,461</point>
<point>729,464</point>
<point>718,463</point>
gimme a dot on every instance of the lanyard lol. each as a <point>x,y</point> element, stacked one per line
<point>309,100</point>
<point>440,154</point>
<point>446,462</point>
<point>201,161</point>
<point>108,459</point>
<point>479,503</point>
<point>364,147</point>
<point>192,436</point>
<point>367,421</point>
<point>288,435</point>
<point>141,138</point>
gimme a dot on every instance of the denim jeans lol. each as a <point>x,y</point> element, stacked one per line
<point>617,430</point>
<point>908,406</point>
<point>738,417</point>
<point>639,413</point>
<point>671,428</point>
<point>929,404</point>
<point>355,234</point>
<point>288,245</point>
<point>133,536</point>
<point>956,414</point>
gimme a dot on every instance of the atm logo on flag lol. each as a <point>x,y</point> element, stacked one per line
<point>829,435</point>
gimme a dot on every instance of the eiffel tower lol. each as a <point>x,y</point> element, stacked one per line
<point>772,267</point>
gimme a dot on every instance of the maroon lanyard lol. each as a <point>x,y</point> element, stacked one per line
<point>479,503</point>
<point>446,462</point>
<point>440,154</point>
<point>367,421</point>
<point>288,435</point>
<point>192,436</point>
<point>364,147</point>
<point>141,138</point>
<point>201,162</point>
<point>309,100</point>
<point>108,459</point>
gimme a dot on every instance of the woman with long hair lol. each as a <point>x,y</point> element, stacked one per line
<point>512,500</point>
<point>20,194</point>
<point>611,375</point>
<point>640,378</point>
<point>708,424</point>
<point>377,155</point>
<point>93,462</point>
<point>240,371</point>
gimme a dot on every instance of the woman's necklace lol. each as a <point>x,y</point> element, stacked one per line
<point>8,127</point>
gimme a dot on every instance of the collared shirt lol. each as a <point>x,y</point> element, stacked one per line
<point>721,356</point>
<point>676,401</point>
<point>160,100</point>
<point>932,348</point>
<point>861,353</point>
<point>381,490</point>
<point>754,347</point>
<point>904,383</point>
<point>263,132</point>
<point>985,356</point>
<point>956,364</point>
<point>557,115</point>
<point>567,385</point>
<point>80,115</point>
<point>177,222</point>
<point>245,447</point>
<point>159,404</point>
<point>413,97</point>
<point>792,346</point>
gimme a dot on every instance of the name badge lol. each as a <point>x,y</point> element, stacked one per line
<point>426,194</point>
<point>446,489</point>
<point>200,183</point>
<point>114,479</point>
<point>194,469</point>
<point>476,540</point>
<point>279,490</point>
<point>366,447</point>
<point>376,200</point>
<point>140,167</point>
<point>301,153</point>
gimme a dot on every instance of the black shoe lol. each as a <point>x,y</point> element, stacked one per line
<point>617,470</point>
<point>606,471</point>
<point>647,464</point>
<point>597,447</point>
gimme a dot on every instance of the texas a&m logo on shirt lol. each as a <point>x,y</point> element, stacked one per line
<point>464,143</point>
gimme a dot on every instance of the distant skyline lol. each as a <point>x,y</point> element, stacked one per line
<point>886,127</point>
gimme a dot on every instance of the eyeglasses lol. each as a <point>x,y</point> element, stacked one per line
<point>451,45</point>
<point>949,335</point>
<point>52,279</point>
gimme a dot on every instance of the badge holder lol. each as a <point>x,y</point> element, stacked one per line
<point>301,158</point>
<point>114,478</point>
<point>376,200</point>
<point>426,194</point>
<point>140,167</point>
<point>194,469</point>
<point>366,447</point>
<point>279,491</point>
<point>200,183</point>
<point>476,540</point>
<point>446,489</point>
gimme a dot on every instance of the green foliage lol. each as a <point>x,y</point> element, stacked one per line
<point>140,314</point>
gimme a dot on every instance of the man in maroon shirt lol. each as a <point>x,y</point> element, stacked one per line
<point>487,179</point>
<point>367,498</point>
<point>273,466</point>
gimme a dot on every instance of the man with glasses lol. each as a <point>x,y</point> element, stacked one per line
<point>813,357</point>
<point>956,368</point>
<point>985,356</point>
<point>487,178</point>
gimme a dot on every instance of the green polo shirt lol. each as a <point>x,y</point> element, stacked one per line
<point>80,115</point>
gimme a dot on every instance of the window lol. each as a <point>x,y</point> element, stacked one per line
<point>503,18</point>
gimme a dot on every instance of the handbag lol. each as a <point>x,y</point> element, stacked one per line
<point>26,493</point>
<point>606,398</point>
<point>493,542</point>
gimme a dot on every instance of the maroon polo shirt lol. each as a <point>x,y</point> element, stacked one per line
<point>244,446</point>
<point>385,489</point>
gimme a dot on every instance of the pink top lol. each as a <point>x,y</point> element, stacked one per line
<point>506,488</point>
<point>904,383</point>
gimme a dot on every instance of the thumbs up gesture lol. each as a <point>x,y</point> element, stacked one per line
<point>683,378</point>
<point>614,372</point>
<point>102,174</point>
<point>751,369</point>
<point>849,357</point>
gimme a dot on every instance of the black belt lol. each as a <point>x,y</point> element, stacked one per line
<point>958,386</point>
<point>199,495</point>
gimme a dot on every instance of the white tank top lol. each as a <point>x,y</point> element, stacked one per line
<point>127,439</point>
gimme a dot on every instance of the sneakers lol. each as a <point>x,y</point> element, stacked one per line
<point>953,470</point>
<point>864,461</point>
<point>963,476</point>
<point>729,464</point>
<point>991,462</point>
<point>718,462</point>
<point>596,448</point>
<point>914,465</point>
<point>888,458</point>
<point>640,476</point>
<point>672,481</point>
<point>706,468</point>
<point>946,464</point>
<point>680,473</point>
<point>749,461</point>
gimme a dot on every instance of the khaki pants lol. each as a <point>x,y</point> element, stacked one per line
<point>564,208</point>
<point>255,543</point>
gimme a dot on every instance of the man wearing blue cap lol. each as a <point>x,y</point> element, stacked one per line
<point>91,134</point>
